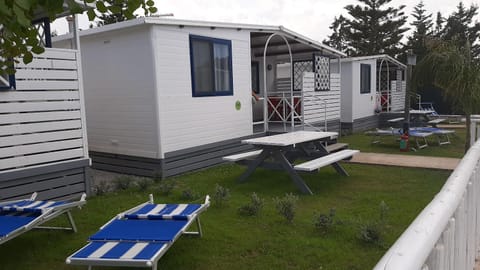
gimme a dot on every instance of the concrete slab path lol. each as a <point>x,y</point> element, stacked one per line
<point>440,163</point>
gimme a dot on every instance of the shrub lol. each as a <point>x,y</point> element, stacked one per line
<point>325,222</point>
<point>166,187</point>
<point>123,182</point>
<point>189,194</point>
<point>157,177</point>
<point>144,183</point>
<point>221,195</point>
<point>102,188</point>
<point>370,233</point>
<point>286,206</point>
<point>253,207</point>
<point>373,231</point>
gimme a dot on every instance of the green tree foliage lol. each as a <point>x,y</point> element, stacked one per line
<point>439,21</point>
<point>18,37</point>
<point>461,28</point>
<point>337,39</point>
<point>372,27</point>
<point>118,16</point>
<point>422,31</point>
<point>456,72</point>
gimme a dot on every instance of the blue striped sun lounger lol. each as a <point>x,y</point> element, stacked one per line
<point>19,216</point>
<point>140,236</point>
<point>442,134</point>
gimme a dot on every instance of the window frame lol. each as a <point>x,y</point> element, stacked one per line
<point>211,41</point>
<point>369,90</point>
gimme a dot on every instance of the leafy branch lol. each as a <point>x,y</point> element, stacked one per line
<point>18,36</point>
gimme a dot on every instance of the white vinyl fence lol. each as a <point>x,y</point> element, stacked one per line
<point>42,121</point>
<point>445,235</point>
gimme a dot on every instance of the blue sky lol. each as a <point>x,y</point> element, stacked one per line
<point>308,17</point>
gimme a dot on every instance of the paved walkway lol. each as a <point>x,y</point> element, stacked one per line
<point>440,163</point>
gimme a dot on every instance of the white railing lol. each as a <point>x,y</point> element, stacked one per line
<point>281,106</point>
<point>474,128</point>
<point>446,234</point>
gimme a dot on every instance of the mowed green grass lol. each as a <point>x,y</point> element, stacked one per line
<point>389,145</point>
<point>233,242</point>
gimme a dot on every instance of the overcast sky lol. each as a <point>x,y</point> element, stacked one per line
<point>307,17</point>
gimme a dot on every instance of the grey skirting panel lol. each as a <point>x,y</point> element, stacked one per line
<point>385,116</point>
<point>202,156</point>
<point>126,164</point>
<point>50,182</point>
<point>361,124</point>
<point>175,163</point>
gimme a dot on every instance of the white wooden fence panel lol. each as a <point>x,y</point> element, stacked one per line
<point>315,101</point>
<point>38,117</point>
<point>38,95</point>
<point>38,106</point>
<point>40,158</point>
<point>39,137</point>
<point>39,127</point>
<point>446,234</point>
<point>43,119</point>
<point>44,85</point>
<point>41,74</point>
<point>19,150</point>
<point>49,63</point>
<point>63,54</point>
<point>397,96</point>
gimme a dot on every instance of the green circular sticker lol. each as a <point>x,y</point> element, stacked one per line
<point>238,105</point>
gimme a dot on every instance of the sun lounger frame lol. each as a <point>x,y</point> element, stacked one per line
<point>48,214</point>
<point>153,261</point>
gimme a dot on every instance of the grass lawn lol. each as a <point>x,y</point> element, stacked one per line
<point>232,241</point>
<point>388,145</point>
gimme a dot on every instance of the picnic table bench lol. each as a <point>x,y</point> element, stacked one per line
<point>280,152</point>
<point>329,159</point>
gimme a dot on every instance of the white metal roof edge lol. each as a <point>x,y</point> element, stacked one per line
<point>374,57</point>
<point>251,27</point>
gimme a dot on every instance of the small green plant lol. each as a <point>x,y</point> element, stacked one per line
<point>101,189</point>
<point>144,184</point>
<point>325,222</point>
<point>372,232</point>
<point>253,207</point>
<point>189,194</point>
<point>157,177</point>
<point>166,187</point>
<point>286,206</point>
<point>123,182</point>
<point>221,195</point>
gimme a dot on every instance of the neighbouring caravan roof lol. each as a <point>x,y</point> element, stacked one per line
<point>213,25</point>
<point>377,57</point>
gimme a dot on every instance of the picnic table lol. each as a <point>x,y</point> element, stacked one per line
<point>282,150</point>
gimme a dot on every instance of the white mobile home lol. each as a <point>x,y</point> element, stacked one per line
<point>166,96</point>
<point>370,85</point>
<point>43,143</point>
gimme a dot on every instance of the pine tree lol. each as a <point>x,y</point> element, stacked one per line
<point>374,28</point>
<point>422,30</point>
<point>461,28</point>
<point>337,38</point>
<point>439,21</point>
